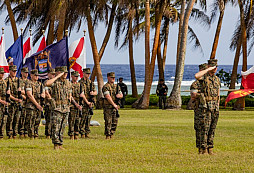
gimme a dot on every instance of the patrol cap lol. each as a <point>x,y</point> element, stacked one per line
<point>111,74</point>
<point>34,72</point>
<point>1,70</point>
<point>63,69</point>
<point>24,70</point>
<point>87,70</point>
<point>57,69</point>
<point>51,71</point>
<point>75,73</point>
<point>203,66</point>
<point>13,67</point>
<point>212,62</point>
<point>120,78</point>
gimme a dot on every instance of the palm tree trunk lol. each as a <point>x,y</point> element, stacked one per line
<point>95,53</point>
<point>181,18</point>
<point>217,35</point>
<point>165,46</point>
<point>160,62</point>
<point>131,59</point>
<point>144,100</point>
<point>12,19</point>
<point>235,65</point>
<point>61,18</point>
<point>106,38</point>
<point>175,101</point>
<point>50,37</point>
<point>240,103</point>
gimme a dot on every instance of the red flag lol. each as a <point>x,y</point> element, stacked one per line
<point>3,61</point>
<point>42,44</point>
<point>77,53</point>
<point>27,49</point>
<point>238,94</point>
<point>248,78</point>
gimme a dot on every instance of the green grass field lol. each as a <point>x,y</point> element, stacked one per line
<point>146,141</point>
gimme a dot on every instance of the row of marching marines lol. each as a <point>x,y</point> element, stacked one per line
<point>25,101</point>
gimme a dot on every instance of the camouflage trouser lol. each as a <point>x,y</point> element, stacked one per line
<point>110,121</point>
<point>58,123</point>
<point>33,122</point>
<point>47,113</point>
<point>13,120</point>
<point>208,126</point>
<point>84,125</point>
<point>73,121</point>
<point>197,125</point>
<point>3,121</point>
<point>22,121</point>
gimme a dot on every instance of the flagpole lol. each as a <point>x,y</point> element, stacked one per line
<point>21,50</point>
<point>68,64</point>
<point>2,30</point>
<point>43,32</point>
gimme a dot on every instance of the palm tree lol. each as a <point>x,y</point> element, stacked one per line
<point>174,101</point>
<point>7,3</point>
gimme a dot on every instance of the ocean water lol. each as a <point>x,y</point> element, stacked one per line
<point>123,70</point>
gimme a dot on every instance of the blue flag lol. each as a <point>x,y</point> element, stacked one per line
<point>15,53</point>
<point>52,56</point>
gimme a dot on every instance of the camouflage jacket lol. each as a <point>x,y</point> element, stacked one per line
<point>3,86</point>
<point>88,86</point>
<point>61,91</point>
<point>49,90</point>
<point>35,88</point>
<point>110,89</point>
<point>75,92</point>
<point>210,86</point>
<point>13,86</point>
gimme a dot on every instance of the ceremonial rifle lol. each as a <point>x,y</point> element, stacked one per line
<point>80,99</point>
<point>117,100</point>
<point>91,99</point>
<point>19,95</point>
<point>41,99</point>
<point>7,98</point>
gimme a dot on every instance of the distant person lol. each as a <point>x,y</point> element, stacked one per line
<point>162,91</point>
<point>196,95</point>
<point>124,90</point>
<point>210,87</point>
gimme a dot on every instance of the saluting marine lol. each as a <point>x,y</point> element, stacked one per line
<point>60,103</point>
<point>196,97</point>
<point>111,92</point>
<point>210,86</point>
<point>87,111</point>
<point>34,105</point>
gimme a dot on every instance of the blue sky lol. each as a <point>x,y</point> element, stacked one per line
<point>113,56</point>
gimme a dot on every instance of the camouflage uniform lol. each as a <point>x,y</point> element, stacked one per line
<point>109,111</point>
<point>210,86</point>
<point>23,120</point>
<point>32,113</point>
<point>198,106</point>
<point>14,112</point>
<point>60,107</point>
<point>3,117</point>
<point>73,119</point>
<point>47,108</point>
<point>88,86</point>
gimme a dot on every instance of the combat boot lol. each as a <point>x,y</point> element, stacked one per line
<point>204,151</point>
<point>72,137</point>
<point>25,135</point>
<point>14,137</point>
<point>21,136</point>
<point>210,151</point>
<point>10,137</point>
<point>75,137</point>
<point>61,147</point>
<point>82,136</point>
<point>47,137</point>
<point>86,136</point>
<point>56,146</point>
<point>111,137</point>
<point>199,151</point>
<point>107,137</point>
